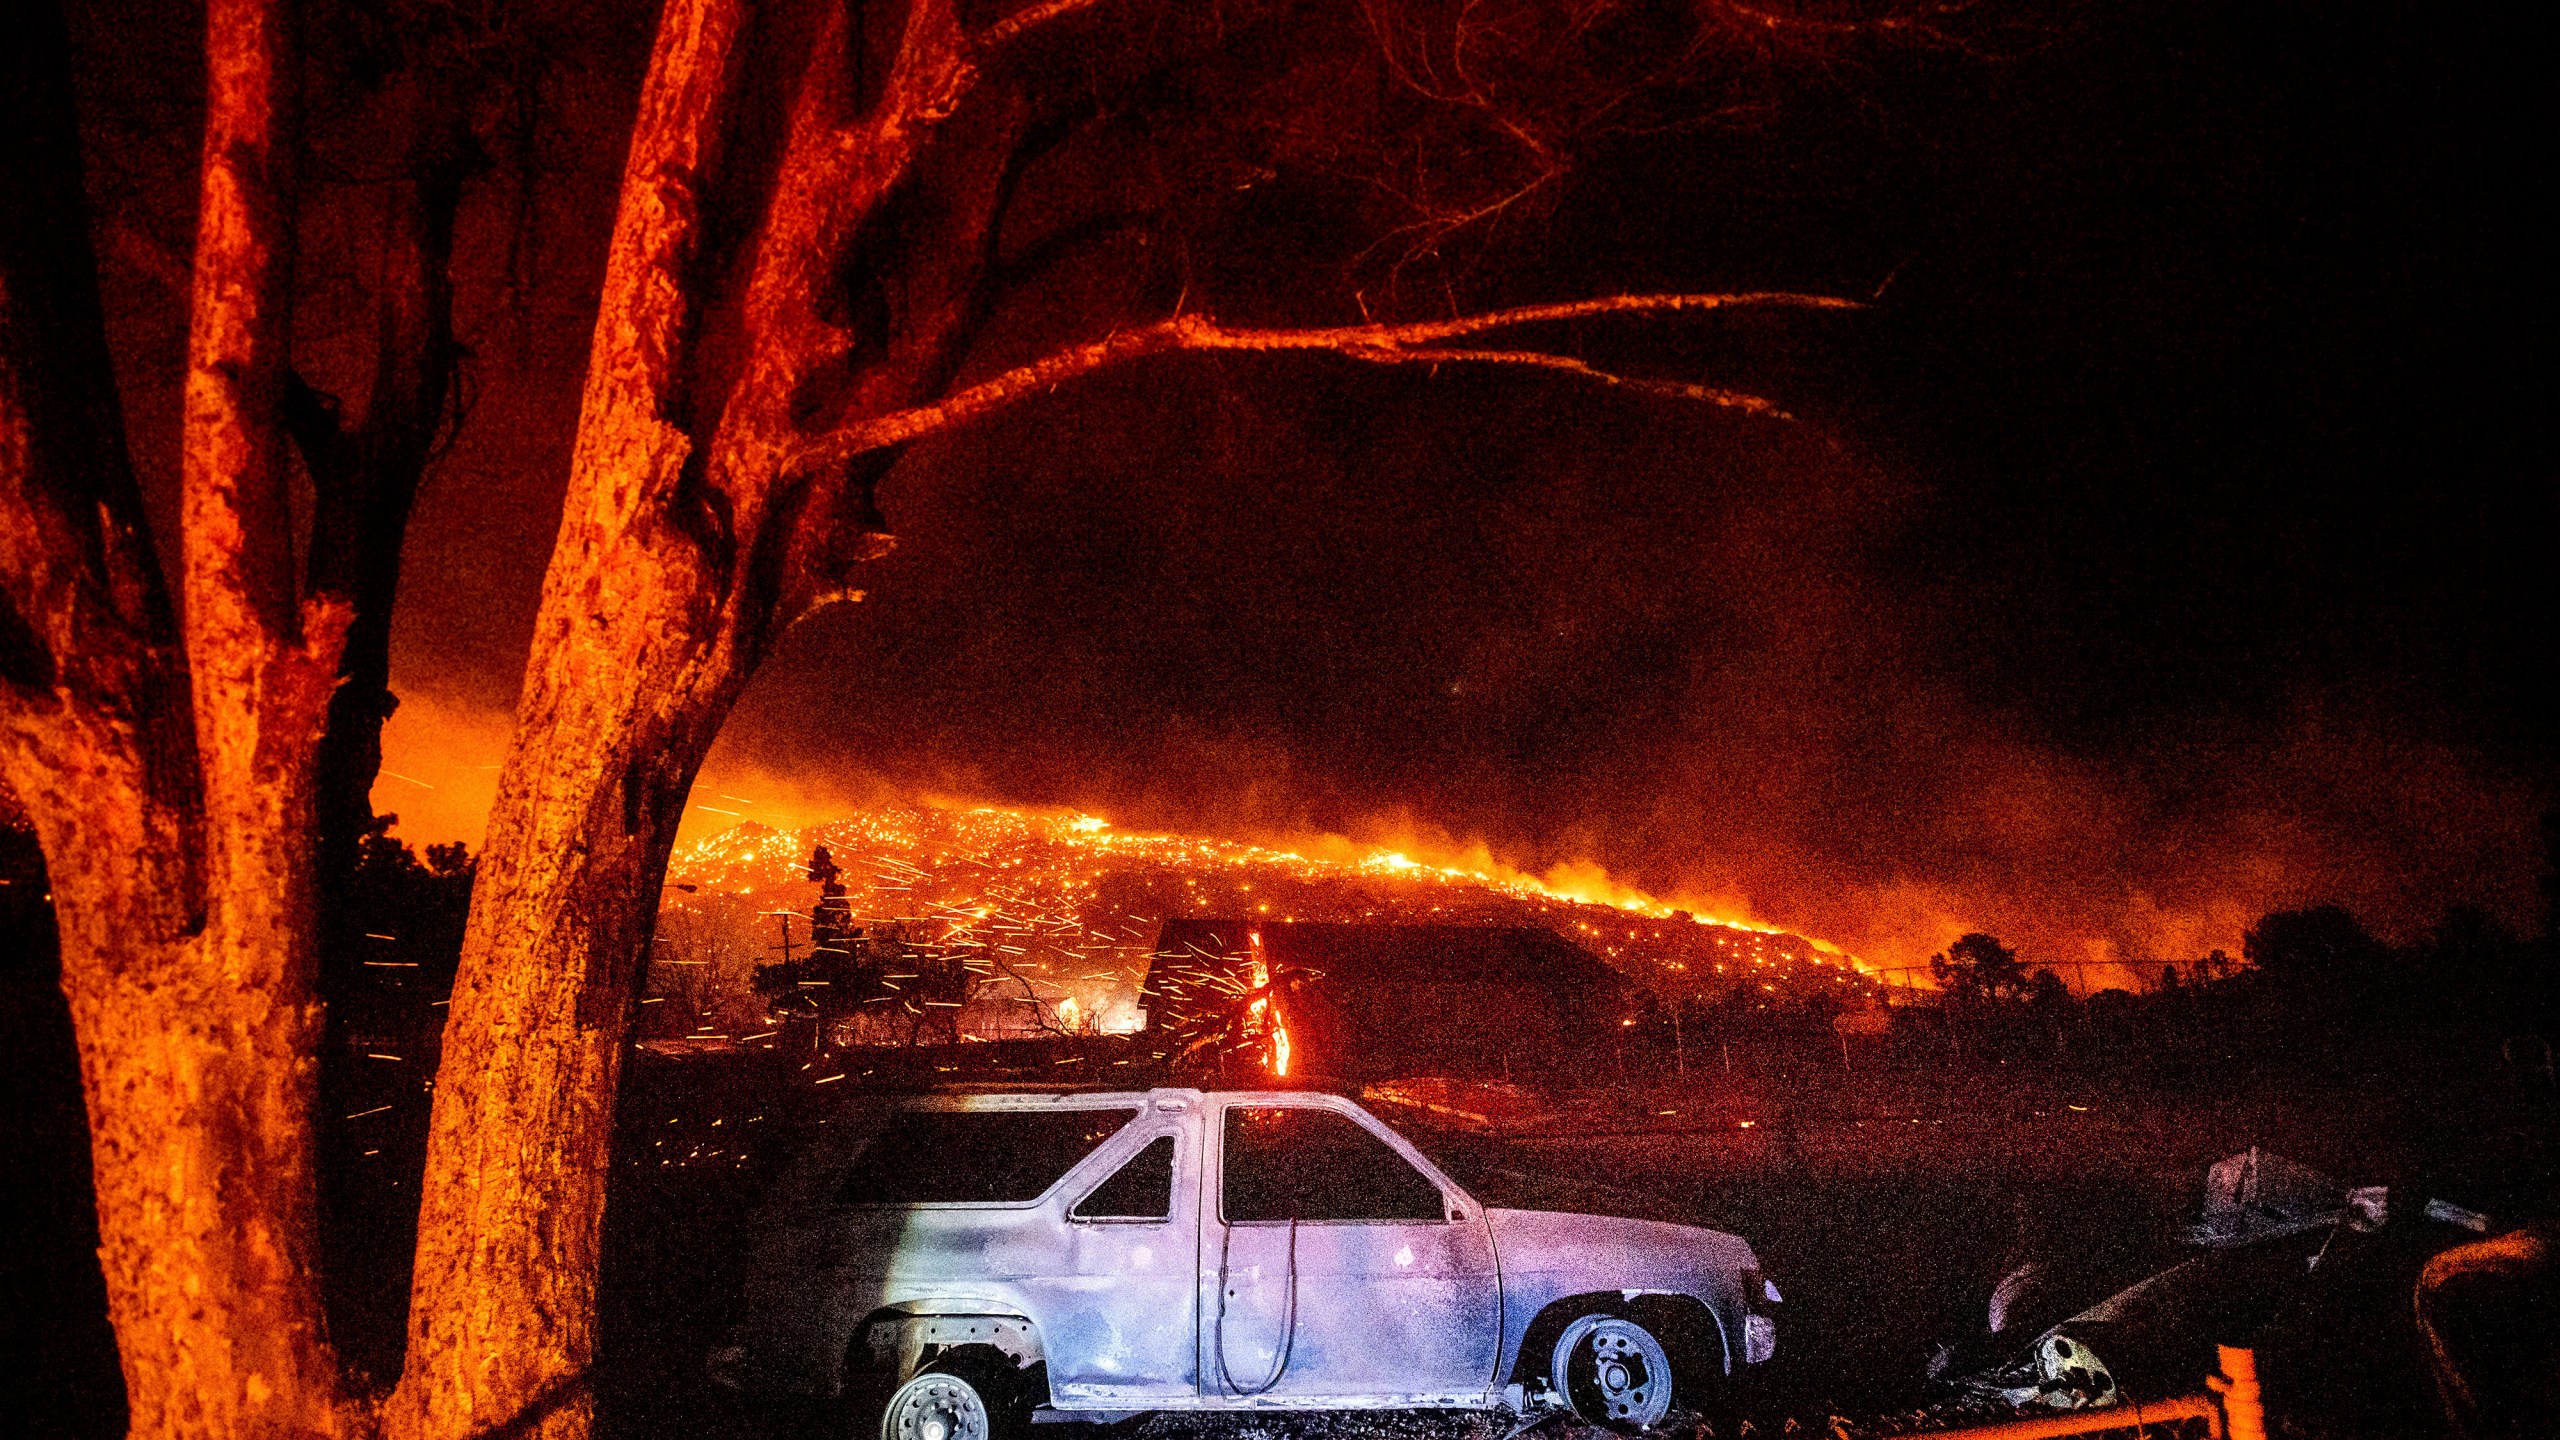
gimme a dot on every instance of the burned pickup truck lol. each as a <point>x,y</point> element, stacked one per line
<point>972,1260</point>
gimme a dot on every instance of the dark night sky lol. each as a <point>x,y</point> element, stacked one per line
<point>2159,549</point>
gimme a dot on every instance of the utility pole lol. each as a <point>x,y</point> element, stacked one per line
<point>817,1022</point>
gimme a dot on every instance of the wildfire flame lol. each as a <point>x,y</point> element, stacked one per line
<point>1058,910</point>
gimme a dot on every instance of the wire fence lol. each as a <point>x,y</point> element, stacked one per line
<point>1918,984</point>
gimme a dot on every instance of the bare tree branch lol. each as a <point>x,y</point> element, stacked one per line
<point>1025,20</point>
<point>932,272</point>
<point>1389,344</point>
<point>1567,365</point>
<point>241,615</point>
<point>1923,21</point>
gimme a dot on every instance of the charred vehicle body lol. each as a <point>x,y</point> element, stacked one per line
<point>974,1259</point>
<point>2271,1238</point>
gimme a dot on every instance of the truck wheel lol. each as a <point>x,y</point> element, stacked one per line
<point>949,1400</point>
<point>1610,1370</point>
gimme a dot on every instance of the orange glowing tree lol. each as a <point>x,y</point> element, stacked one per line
<point>813,268</point>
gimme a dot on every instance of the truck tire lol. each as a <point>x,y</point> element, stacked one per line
<point>1612,1371</point>
<point>957,1397</point>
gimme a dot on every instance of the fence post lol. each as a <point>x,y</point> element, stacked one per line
<point>2244,1408</point>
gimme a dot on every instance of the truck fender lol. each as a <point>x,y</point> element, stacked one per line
<point>892,1344</point>
<point>1686,1324</point>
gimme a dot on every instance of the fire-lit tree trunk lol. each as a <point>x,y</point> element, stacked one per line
<point>262,663</point>
<point>663,589</point>
<point>173,795</point>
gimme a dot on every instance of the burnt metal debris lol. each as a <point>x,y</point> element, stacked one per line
<point>2265,1224</point>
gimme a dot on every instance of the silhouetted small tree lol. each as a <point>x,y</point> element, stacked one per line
<point>1978,968</point>
<point>2322,951</point>
<point>2483,976</point>
<point>845,969</point>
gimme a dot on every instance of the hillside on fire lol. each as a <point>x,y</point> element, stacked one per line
<point>1056,920</point>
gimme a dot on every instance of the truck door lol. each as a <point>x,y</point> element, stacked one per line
<point>1334,1271</point>
<point>1117,1326</point>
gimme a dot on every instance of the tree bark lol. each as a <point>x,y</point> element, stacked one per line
<point>673,571</point>
<point>262,664</point>
<point>501,1315</point>
<point>180,881</point>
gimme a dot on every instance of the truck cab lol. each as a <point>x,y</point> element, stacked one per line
<point>968,1260</point>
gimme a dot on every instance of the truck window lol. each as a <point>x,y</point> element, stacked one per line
<point>1139,1190</point>
<point>1292,1162</point>
<point>955,1157</point>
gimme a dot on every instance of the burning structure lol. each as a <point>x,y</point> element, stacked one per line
<point>1352,1001</point>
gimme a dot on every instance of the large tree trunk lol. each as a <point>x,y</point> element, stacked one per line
<point>502,1309</point>
<point>242,1079</point>
<point>198,1096</point>
<point>501,1314</point>
<point>178,857</point>
<point>677,562</point>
